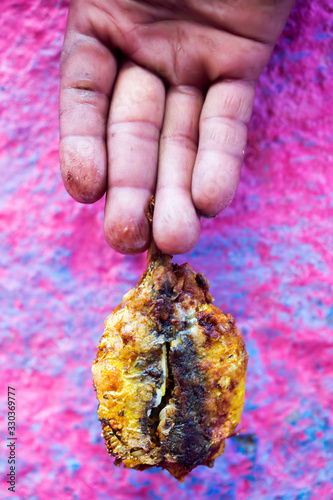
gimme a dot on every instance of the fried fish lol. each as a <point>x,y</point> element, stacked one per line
<point>169,373</point>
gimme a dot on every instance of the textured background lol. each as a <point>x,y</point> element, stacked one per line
<point>269,258</point>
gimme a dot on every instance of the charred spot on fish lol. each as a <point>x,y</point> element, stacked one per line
<point>177,269</point>
<point>207,319</point>
<point>233,384</point>
<point>201,280</point>
<point>162,309</point>
<point>127,337</point>
<point>186,371</point>
<point>187,442</point>
<point>152,372</point>
<point>169,332</point>
<point>210,324</point>
<point>166,288</point>
<point>148,362</point>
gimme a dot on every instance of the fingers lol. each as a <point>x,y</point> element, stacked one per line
<point>176,225</point>
<point>87,72</point>
<point>223,134</point>
<point>135,121</point>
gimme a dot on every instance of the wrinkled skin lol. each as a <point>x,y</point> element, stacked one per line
<point>156,97</point>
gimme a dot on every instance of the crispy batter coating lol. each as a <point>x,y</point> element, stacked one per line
<point>169,373</point>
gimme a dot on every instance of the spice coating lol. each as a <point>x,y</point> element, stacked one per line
<point>169,373</point>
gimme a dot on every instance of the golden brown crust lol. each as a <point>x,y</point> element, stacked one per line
<point>169,373</point>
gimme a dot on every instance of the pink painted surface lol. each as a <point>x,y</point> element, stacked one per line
<point>269,258</point>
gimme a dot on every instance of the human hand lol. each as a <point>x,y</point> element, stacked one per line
<point>155,98</point>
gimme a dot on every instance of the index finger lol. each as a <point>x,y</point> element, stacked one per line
<point>87,75</point>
